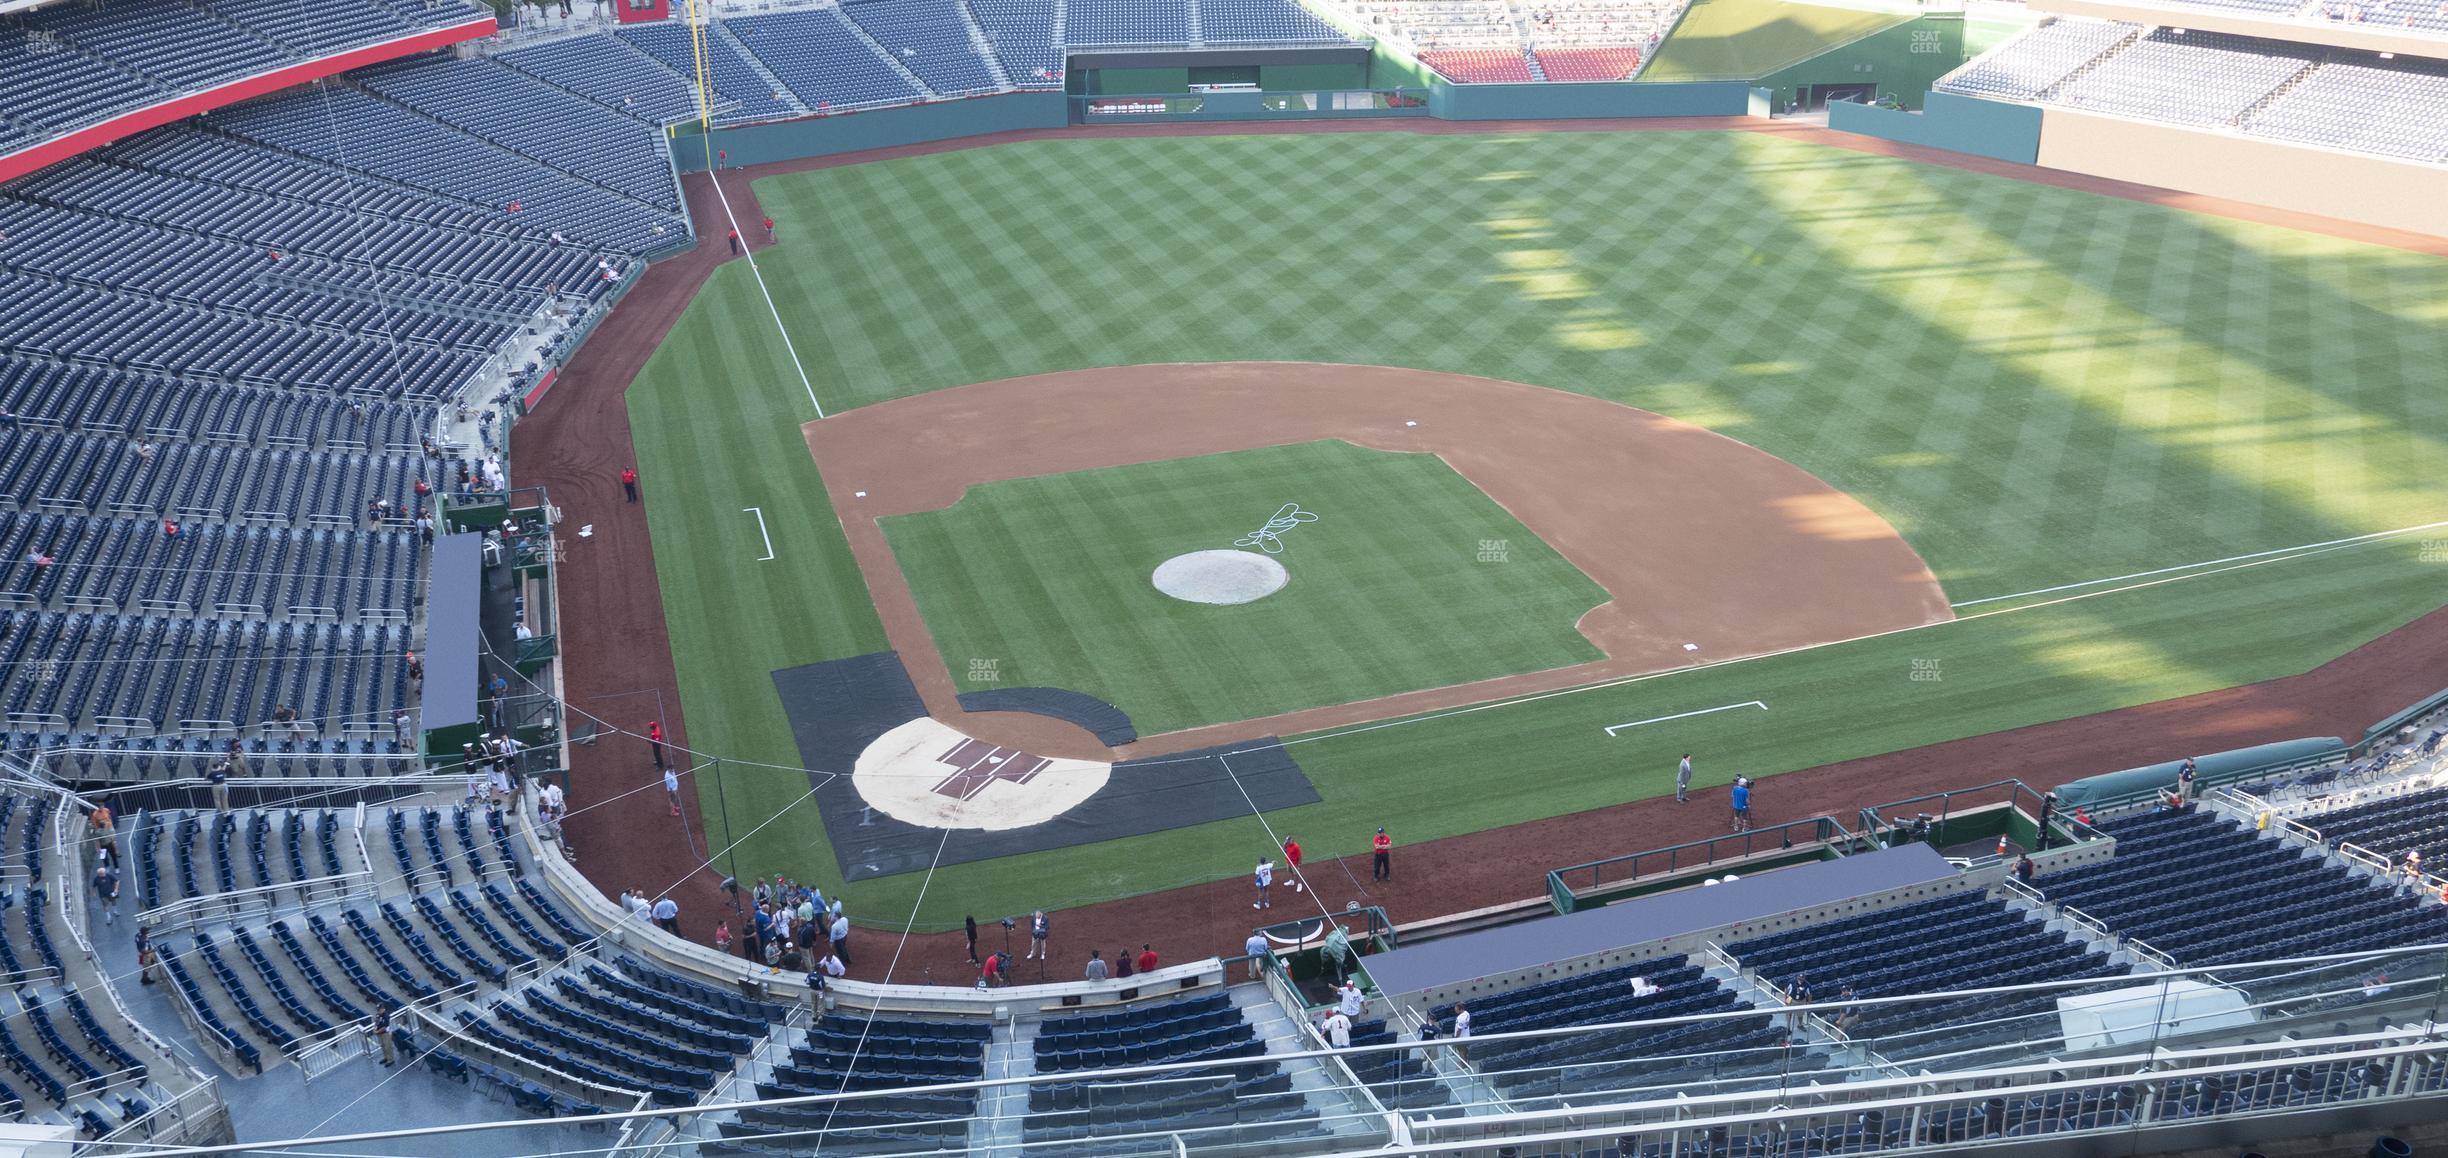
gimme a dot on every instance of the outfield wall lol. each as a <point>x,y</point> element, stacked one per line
<point>1958,124</point>
<point>2365,189</point>
<point>1902,62</point>
<point>878,129</point>
<point>1505,102</point>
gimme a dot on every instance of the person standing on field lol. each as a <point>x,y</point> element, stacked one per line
<point>1263,876</point>
<point>1683,779</point>
<point>628,477</point>
<point>1382,859</point>
<point>1292,857</point>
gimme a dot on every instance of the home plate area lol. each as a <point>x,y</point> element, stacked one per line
<point>920,792</point>
<point>923,772</point>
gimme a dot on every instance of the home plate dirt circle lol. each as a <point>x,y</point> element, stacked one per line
<point>927,773</point>
<point>1224,578</point>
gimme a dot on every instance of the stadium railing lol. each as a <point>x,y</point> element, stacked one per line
<point>1572,886</point>
<point>2148,1081</point>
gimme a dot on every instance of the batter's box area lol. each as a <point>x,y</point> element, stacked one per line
<point>891,782</point>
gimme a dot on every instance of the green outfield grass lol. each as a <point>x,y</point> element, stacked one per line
<point>2035,386</point>
<point>1047,579</point>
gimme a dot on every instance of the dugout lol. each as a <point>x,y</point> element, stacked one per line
<point>2210,771</point>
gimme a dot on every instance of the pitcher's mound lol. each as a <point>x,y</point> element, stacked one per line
<point>1220,577</point>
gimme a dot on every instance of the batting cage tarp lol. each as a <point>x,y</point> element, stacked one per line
<point>838,708</point>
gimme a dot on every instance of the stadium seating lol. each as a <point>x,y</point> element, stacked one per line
<point>69,65</point>
<point>1022,34</point>
<point>1261,22</point>
<point>2206,890</point>
<point>611,72</point>
<point>1588,63</point>
<point>754,95</point>
<point>2338,98</point>
<point>2392,826</point>
<point>2039,60</point>
<point>1965,941</point>
<point>930,38</point>
<point>1480,65</point>
<point>1621,1058</point>
<point>2196,78</point>
<point>822,59</point>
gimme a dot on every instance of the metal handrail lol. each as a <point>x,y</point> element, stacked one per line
<point>189,912</point>
<point>1825,830</point>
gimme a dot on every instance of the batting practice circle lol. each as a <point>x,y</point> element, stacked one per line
<point>1223,578</point>
<point>927,773</point>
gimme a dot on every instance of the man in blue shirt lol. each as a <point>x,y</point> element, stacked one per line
<point>1742,803</point>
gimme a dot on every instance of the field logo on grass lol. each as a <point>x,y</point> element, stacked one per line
<point>1495,551</point>
<point>2433,551</point>
<point>985,671</point>
<point>1925,671</point>
<point>927,773</point>
<point>1269,538</point>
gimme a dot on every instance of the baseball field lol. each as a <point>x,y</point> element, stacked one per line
<point>2143,454</point>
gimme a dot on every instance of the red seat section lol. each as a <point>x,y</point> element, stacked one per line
<point>1612,63</point>
<point>1479,65</point>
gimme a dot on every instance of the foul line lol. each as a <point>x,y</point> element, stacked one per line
<point>1614,728</point>
<point>759,275</point>
<point>2302,547</point>
<point>759,512</point>
<point>1645,677</point>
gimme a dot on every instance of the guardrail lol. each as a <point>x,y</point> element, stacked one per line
<point>1566,886</point>
<point>190,912</point>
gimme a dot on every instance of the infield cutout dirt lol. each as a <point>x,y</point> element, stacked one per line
<point>1695,536</point>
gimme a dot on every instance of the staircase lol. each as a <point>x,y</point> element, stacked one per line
<point>1198,34</point>
<point>780,90</point>
<point>984,46</point>
<point>884,54</point>
<point>1002,1112</point>
<point>2277,94</point>
<point>2051,93</point>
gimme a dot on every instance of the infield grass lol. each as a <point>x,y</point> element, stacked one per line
<point>1410,578</point>
<point>2036,386</point>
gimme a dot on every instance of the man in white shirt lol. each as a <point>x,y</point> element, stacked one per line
<point>552,800</point>
<point>1641,987</point>
<point>831,966</point>
<point>671,789</point>
<point>1096,965</point>
<point>1461,1032</point>
<point>1337,1028</point>
<point>841,937</point>
<point>667,914</point>
<point>1349,1001</point>
<point>1264,875</point>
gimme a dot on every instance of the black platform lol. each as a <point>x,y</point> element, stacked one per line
<point>838,708</point>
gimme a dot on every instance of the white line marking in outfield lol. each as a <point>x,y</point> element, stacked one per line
<point>759,512</point>
<point>1614,728</point>
<point>2208,563</point>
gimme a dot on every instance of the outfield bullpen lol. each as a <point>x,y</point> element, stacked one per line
<point>2037,387</point>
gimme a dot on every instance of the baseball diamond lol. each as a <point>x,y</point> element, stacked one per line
<point>1912,412</point>
<point>1223,578</point>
